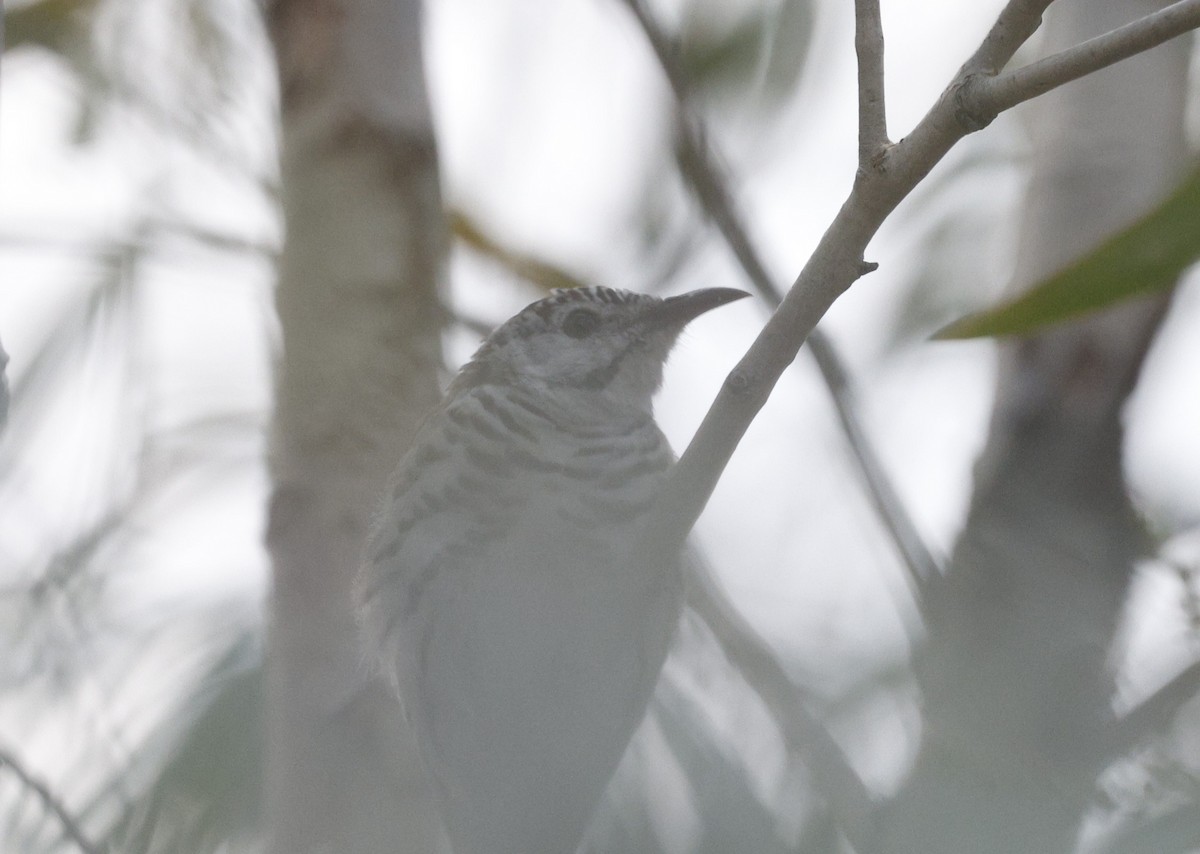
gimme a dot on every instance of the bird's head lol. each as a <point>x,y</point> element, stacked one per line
<point>591,346</point>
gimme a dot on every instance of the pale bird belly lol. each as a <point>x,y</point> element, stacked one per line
<point>550,639</point>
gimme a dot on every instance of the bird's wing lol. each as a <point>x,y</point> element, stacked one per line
<point>450,494</point>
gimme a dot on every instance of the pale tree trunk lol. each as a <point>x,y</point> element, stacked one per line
<point>1013,674</point>
<point>3,374</point>
<point>360,318</point>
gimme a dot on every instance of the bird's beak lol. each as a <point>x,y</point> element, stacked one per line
<point>680,310</point>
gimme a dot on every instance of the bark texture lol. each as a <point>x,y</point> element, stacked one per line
<point>360,320</point>
<point>1014,677</point>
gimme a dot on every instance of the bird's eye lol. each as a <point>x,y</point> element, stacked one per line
<point>580,323</point>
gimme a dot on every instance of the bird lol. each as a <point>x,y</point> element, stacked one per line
<point>497,588</point>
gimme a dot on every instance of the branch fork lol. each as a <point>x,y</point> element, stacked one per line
<point>837,262</point>
<point>887,172</point>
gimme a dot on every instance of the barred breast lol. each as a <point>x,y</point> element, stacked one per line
<point>497,585</point>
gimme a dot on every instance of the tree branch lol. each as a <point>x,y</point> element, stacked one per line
<point>69,825</point>
<point>915,554</point>
<point>872,112</point>
<point>664,48</point>
<point>1006,90</point>
<point>701,172</point>
<point>835,264</point>
<point>1015,24</point>
<point>805,736</point>
<point>806,739</point>
<point>3,389</point>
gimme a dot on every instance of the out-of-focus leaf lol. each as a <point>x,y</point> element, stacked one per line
<point>214,40</point>
<point>96,319</point>
<point>790,37</point>
<point>732,817</point>
<point>711,57</point>
<point>683,772</point>
<point>65,28</point>
<point>534,270</point>
<point>1148,256</point>
<point>208,789</point>
<point>933,291</point>
<point>50,24</point>
<point>759,50</point>
<point>955,226</point>
<point>191,95</point>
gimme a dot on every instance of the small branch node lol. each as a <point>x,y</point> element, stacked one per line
<point>738,382</point>
<point>865,267</point>
<point>881,159</point>
<point>875,162</point>
<point>1009,88</point>
<point>970,109</point>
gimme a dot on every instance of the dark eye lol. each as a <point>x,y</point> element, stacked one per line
<point>581,323</point>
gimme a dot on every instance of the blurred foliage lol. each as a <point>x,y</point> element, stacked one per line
<point>202,771</point>
<point>727,816</point>
<point>742,63</point>
<point>732,818</point>
<point>110,45</point>
<point>717,802</point>
<point>190,780</point>
<point>954,225</point>
<point>1147,256</point>
<point>746,54</point>
<point>182,770</point>
<point>149,712</point>
<point>55,25</point>
<point>538,272</point>
<point>73,645</point>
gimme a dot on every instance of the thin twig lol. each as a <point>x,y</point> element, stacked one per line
<point>700,170</point>
<point>836,263</point>
<point>915,553</point>
<point>664,48</point>
<point>69,825</point>
<point>872,111</point>
<point>546,276</point>
<point>63,243</point>
<point>1014,25</point>
<point>1010,88</point>
<point>805,736</point>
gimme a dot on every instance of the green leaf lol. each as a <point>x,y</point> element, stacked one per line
<point>51,24</point>
<point>198,779</point>
<point>753,54</point>
<point>1148,256</point>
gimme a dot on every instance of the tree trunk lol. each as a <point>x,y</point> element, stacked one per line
<point>360,320</point>
<point>1013,674</point>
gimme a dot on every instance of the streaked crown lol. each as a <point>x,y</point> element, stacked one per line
<point>604,345</point>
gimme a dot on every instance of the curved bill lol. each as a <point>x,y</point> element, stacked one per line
<point>687,307</point>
